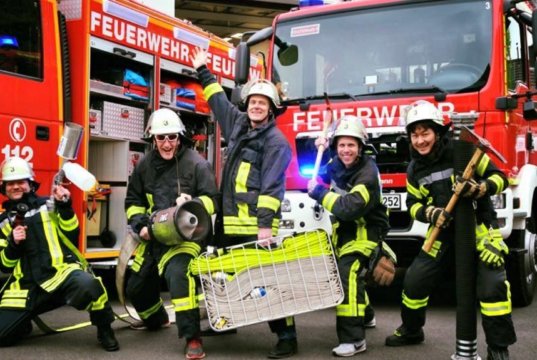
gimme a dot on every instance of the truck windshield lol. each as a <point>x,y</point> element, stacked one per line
<point>400,49</point>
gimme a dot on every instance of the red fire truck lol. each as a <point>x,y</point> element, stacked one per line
<point>104,65</point>
<point>474,59</point>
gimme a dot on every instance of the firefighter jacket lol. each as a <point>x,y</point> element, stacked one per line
<point>253,180</point>
<point>155,184</point>
<point>48,254</point>
<point>430,181</point>
<point>355,200</point>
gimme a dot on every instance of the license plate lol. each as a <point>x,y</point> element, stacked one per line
<point>392,201</point>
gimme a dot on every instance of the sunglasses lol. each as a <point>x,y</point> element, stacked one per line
<point>169,137</point>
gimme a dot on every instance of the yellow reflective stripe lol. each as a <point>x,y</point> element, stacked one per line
<point>186,247</point>
<point>498,181</point>
<point>212,89</point>
<point>68,224</point>
<point>360,245</point>
<point>152,310</point>
<point>482,166</point>
<point>3,243</point>
<point>13,303</point>
<point>151,203</point>
<point>56,254</point>
<point>414,209</point>
<point>496,309</point>
<point>135,210</point>
<point>6,230</point>
<point>7,262</point>
<point>362,190</point>
<point>240,221</point>
<point>60,276</point>
<point>207,204</point>
<point>139,258</point>
<point>101,301</point>
<point>242,177</point>
<point>289,321</point>
<point>351,309</point>
<point>268,202</point>
<point>414,304</point>
<point>412,190</point>
<point>329,199</point>
<point>189,302</point>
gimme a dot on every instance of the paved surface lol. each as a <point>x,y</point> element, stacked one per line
<point>316,337</point>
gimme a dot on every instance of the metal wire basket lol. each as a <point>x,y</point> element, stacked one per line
<point>250,283</point>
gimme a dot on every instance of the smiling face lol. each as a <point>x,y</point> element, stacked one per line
<point>258,110</point>
<point>423,138</point>
<point>15,189</point>
<point>167,145</point>
<point>348,150</point>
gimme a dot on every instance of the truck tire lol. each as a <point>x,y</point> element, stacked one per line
<point>521,266</point>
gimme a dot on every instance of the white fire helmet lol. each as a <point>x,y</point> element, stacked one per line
<point>353,126</point>
<point>261,87</point>
<point>422,110</point>
<point>165,121</point>
<point>16,168</point>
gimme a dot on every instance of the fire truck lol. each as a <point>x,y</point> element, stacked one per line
<point>104,65</point>
<point>474,59</point>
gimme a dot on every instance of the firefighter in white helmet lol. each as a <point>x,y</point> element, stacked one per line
<point>430,184</point>
<point>257,156</point>
<point>361,223</point>
<point>169,173</point>
<point>38,246</point>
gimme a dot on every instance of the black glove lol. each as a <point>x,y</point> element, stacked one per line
<point>469,188</point>
<point>438,217</point>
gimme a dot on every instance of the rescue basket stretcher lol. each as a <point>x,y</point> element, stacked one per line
<point>250,283</point>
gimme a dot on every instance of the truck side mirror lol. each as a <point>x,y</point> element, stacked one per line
<point>242,63</point>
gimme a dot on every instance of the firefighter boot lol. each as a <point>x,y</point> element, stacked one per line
<point>106,338</point>
<point>403,336</point>
<point>283,349</point>
<point>497,353</point>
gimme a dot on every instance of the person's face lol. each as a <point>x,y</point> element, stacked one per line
<point>15,189</point>
<point>423,139</point>
<point>167,145</point>
<point>348,150</point>
<point>258,110</point>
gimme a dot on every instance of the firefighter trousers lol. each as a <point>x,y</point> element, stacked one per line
<point>492,293</point>
<point>350,313</point>
<point>143,290</point>
<point>80,290</point>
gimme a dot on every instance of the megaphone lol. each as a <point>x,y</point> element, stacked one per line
<point>186,222</point>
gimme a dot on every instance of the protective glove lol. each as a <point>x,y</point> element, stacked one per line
<point>438,216</point>
<point>492,251</point>
<point>469,188</point>
<point>382,264</point>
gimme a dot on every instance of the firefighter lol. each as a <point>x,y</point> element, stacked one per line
<point>354,198</point>
<point>38,246</point>
<point>253,181</point>
<point>430,180</point>
<point>168,173</point>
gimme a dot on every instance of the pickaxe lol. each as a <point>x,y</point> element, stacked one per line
<point>482,146</point>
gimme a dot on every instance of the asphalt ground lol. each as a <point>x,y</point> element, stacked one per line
<point>316,336</point>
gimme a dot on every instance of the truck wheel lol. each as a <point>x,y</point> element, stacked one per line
<point>521,267</point>
<point>108,238</point>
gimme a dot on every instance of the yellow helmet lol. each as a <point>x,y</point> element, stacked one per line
<point>165,121</point>
<point>16,168</point>
<point>422,110</point>
<point>353,126</point>
<point>261,87</point>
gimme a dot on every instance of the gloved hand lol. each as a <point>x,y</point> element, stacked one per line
<point>469,188</point>
<point>492,251</point>
<point>382,264</point>
<point>182,198</point>
<point>438,216</point>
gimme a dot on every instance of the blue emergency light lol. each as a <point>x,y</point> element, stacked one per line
<point>306,3</point>
<point>8,41</point>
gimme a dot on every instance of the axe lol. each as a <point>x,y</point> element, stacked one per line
<point>482,146</point>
